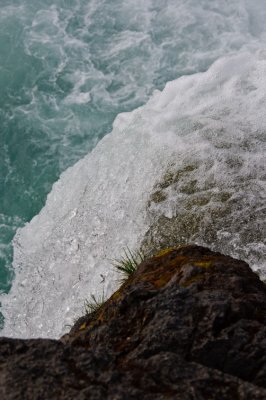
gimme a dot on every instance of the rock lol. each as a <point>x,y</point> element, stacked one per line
<point>188,324</point>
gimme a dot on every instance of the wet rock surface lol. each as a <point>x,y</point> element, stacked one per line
<point>188,324</point>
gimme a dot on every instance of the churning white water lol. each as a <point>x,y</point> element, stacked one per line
<point>206,131</point>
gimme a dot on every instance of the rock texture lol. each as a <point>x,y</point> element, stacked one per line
<point>188,324</point>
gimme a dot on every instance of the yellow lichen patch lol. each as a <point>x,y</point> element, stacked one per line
<point>203,264</point>
<point>162,272</point>
<point>166,267</point>
<point>165,251</point>
<point>159,283</point>
<point>116,295</point>
<point>83,326</point>
<point>100,317</point>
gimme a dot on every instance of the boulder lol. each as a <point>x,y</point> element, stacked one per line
<point>187,324</point>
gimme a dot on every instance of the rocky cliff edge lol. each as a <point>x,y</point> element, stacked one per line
<point>187,324</point>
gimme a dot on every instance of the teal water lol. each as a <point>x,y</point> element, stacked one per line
<point>67,68</point>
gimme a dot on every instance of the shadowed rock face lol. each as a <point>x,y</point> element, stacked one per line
<point>188,324</point>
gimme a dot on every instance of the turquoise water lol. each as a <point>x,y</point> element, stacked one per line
<point>67,68</point>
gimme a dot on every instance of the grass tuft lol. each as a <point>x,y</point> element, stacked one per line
<point>128,263</point>
<point>94,305</point>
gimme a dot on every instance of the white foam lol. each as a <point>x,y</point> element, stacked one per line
<point>214,121</point>
<point>125,49</point>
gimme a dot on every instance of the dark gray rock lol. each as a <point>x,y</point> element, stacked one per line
<point>188,324</point>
